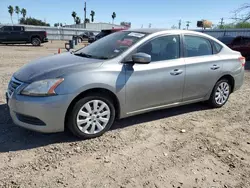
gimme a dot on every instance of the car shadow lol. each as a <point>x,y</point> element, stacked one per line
<point>15,138</point>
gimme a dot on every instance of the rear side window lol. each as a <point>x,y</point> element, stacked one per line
<point>7,28</point>
<point>197,46</point>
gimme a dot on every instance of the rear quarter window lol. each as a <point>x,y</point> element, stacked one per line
<point>216,47</point>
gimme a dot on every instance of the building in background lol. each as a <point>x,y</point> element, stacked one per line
<point>96,26</point>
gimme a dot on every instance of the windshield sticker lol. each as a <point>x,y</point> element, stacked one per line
<point>138,35</point>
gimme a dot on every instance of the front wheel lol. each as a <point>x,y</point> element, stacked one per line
<point>91,116</point>
<point>220,93</point>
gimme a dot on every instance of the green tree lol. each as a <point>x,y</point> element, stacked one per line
<point>74,16</point>
<point>56,24</point>
<point>11,10</point>
<point>33,21</point>
<point>188,22</point>
<point>17,11</point>
<point>92,14</point>
<point>243,25</point>
<point>23,12</point>
<point>113,17</point>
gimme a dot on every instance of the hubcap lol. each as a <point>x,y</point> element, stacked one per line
<point>93,117</point>
<point>222,93</point>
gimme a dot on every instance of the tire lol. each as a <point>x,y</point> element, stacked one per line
<point>35,41</point>
<point>85,123</point>
<point>220,94</point>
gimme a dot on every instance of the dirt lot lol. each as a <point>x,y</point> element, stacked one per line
<point>144,151</point>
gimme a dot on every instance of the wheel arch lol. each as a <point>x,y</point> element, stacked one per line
<point>231,80</point>
<point>104,91</point>
<point>35,36</point>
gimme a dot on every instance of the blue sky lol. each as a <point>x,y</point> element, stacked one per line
<point>160,13</point>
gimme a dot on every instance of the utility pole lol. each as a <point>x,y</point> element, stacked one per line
<point>85,11</point>
<point>179,24</point>
<point>221,22</point>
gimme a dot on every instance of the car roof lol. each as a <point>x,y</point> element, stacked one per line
<point>170,31</point>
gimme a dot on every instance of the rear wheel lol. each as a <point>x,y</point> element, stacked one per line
<point>91,116</point>
<point>220,94</point>
<point>35,41</point>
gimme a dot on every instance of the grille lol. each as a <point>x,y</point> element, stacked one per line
<point>13,85</point>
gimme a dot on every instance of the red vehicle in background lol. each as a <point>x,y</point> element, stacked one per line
<point>239,43</point>
<point>104,33</point>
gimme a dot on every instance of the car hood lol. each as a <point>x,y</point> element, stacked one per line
<point>54,66</point>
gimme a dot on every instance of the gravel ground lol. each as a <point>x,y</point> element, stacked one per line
<point>148,150</point>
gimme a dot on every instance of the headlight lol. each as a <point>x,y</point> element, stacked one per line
<point>42,87</point>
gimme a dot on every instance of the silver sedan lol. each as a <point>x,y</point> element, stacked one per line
<point>124,74</point>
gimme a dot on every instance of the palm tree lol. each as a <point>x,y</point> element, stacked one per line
<point>74,16</point>
<point>11,10</point>
<point>113,17</point>
<point>17,10</point>
<point>78,20</point>
<point>92,14</point>
<point>188,22</point>
<point>23,12</point>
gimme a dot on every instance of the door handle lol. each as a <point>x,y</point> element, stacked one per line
<point>214,67</point>
<point>176,72</point>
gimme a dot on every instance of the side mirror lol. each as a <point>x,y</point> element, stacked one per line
<point>141,58</point>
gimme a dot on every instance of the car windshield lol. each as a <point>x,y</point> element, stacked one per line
<point>111,46</point>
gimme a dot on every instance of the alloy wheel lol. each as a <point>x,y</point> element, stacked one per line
<point>222,93</point>
<point>93,117</point>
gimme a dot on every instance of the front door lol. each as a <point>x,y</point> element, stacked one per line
<point>202,67</point>
<point>161,81</point>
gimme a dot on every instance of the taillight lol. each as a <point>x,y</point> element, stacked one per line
<point>242,60</point>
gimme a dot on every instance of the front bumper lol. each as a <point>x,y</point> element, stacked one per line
<point>49,110</point>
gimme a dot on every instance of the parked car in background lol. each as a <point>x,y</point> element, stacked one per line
<point>239,43</point>
<point>85,35</point>
<point>103,33</point>
<point>18,35</point>
<point>123,74</point>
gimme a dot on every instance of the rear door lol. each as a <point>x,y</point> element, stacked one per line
<point>203,68</point>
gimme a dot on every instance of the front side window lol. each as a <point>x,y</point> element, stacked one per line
<point>197,46</point>
<point>111,46</point>
<point>17,28</point>
<point>162,48</point>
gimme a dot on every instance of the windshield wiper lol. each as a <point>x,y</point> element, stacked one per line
<point>83,55</point>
